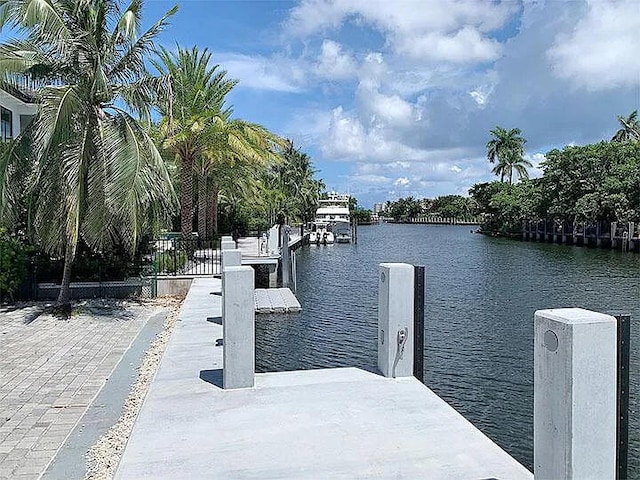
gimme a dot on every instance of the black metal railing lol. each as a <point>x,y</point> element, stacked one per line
<point>178,256</point>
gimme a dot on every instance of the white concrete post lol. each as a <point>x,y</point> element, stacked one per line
<point>574,426</point>
<point>395,320</point>
<point>226,238</point>
<point>273,239</point>
<point>227,245</point>
<point>231,258</point>
<point>238,327</point>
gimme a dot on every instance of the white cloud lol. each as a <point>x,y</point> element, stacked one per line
<point>333,63</point>
<point>402,182</point>
<point>465,45</point>
<point>601,51</point>
<point>370,179</point>
<point>264,73</point>
<point>432,29</point>
<point>455,169</point>
<point>536,159</point>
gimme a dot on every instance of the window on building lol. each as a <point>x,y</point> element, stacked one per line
<point>6,124</point>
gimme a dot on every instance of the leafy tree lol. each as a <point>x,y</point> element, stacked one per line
<point>292,188</point>
<point>90,170</point>
<point>13,263</point>
<point>450,206</point>
<point>361,215</point>
<point>630,128</point>
<point>507,149</point>
<point>593,182</point>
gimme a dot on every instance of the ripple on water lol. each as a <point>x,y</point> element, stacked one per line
<point>481,294</point>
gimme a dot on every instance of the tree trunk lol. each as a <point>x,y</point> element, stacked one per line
<point>214,210</point>
<point>186,196</point>
<point>202,206</point>
<point>63,304</point>
<point>209,212</point>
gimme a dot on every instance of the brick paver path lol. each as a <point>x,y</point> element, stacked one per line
<point>50,371</point>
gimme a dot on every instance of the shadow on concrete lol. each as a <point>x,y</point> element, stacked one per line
<point>217,320</point>
<point>217,293</point>
<point>214,377</point>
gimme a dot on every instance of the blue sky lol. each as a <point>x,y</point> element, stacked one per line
<point>396,98</point>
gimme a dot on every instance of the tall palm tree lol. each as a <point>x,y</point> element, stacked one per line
<point>190,111</point>
<point>508,163</point>
<point>506,146</point>
<point>237,151</point>
<point>90,169</point>
<point>296,178</point>
<point>630,128</point>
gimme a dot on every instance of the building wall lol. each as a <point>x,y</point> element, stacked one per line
<point>19,109</point>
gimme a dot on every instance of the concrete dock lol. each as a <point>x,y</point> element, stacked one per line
<point>334,423</point>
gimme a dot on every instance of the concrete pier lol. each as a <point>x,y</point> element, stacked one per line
<point>332,423</point>
<point>395,320</point>
<point>239,358</point>
<point>574,395</point>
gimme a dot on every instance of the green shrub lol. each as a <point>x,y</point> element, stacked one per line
<point>13,263</point>
<point>170,261</point>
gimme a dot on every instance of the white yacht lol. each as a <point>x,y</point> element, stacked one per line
<point>333,220</point>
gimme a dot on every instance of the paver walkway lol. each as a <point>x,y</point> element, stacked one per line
<point>50,371</point>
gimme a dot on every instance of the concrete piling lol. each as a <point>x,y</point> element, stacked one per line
<point>231,258</point>
<point>238,325</point>
<point>395,320</point>
<point>227,244</point>
<point>574,394</point>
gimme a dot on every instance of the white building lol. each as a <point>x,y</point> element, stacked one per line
<point>17,107</point>
<point>379,207</point>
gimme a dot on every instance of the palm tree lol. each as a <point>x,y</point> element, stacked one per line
<point>508,163</point>
<point>90,170</point>
<point>238,150</point>
<point>191,111</point>
<point>506,146</point>
<point>297,179</point>
<point>630,128</point>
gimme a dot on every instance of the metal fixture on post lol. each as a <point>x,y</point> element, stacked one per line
<point>418,322</point>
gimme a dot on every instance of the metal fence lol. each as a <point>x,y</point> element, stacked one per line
<point>178,256</point>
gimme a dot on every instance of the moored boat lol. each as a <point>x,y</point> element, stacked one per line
<point>333,220</point>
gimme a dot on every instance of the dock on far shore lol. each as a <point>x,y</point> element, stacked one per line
<point>330,423</point>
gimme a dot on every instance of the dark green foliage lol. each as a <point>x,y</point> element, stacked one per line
<point>448,206</point>
<point>597,182</point>
<point>13,263</point>
<point>361,215</point>
<point>170,261</point>
<point>91,266</point>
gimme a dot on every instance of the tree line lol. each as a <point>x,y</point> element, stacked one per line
<point>131,138</point>
<point>595,183</point>
<point>598,182</point>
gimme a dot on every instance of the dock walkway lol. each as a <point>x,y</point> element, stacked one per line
<point>332,423</point>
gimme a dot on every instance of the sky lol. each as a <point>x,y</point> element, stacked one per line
<point>396,98</point>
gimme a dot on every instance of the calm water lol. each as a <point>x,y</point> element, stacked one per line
<point>481,295</point>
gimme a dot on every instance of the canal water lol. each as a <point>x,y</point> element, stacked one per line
<point>481,295</point>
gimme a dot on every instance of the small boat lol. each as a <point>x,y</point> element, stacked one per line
<point>321,234</point>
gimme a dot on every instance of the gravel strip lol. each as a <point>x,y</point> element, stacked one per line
<point>104,456</point>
